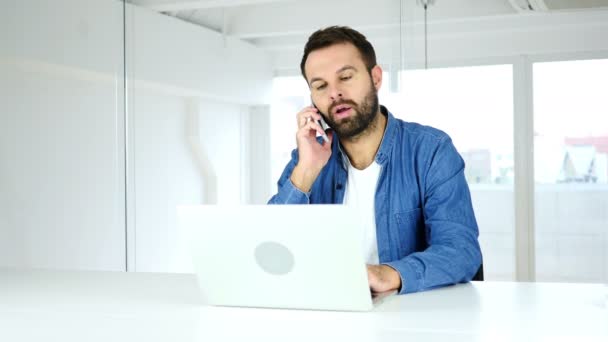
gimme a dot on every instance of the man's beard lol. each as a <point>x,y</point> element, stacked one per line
<point>359,121</point>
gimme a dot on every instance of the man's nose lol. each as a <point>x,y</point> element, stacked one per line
<point>335,93</point>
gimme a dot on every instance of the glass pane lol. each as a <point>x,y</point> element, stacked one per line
<point>571,170</point>
<point>474,105</point>
<point>61,149</point>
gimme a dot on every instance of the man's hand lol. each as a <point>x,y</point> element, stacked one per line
<point>383,278</point>
<point>312,155</point>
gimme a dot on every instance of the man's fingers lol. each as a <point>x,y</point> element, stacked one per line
<point>307,117</point>
<point>374,278</point>
<point>383,278</point>
<point>371,275</point>
<point>308,114</point>
<point>310,126</point>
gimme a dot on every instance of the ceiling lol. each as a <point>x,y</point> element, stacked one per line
<point>283,26</point>
<point>258,20</point>
<point>255,19</point>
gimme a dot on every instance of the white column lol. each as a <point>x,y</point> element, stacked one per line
<point>524,169</point>
<point>258,140</point>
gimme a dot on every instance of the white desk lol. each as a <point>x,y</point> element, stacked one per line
<point>110,306</point>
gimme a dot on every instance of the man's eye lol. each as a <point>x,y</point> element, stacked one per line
<point>345,78</point>
<point>321,87</point>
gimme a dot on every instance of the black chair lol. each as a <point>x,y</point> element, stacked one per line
<point>479,275</point>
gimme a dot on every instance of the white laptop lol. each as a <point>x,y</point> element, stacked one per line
<point>279,256</point>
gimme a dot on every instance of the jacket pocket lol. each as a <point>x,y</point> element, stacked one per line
<point>410,231</point>
<point>412,217</point>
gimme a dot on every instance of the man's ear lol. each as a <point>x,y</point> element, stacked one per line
<point>377,77</point>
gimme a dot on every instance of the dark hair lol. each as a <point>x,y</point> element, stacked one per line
<point>336,35</point>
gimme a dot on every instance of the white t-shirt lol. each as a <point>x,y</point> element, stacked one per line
<point>360,193</point>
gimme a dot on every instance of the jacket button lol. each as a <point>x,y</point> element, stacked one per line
<point>338,186</point>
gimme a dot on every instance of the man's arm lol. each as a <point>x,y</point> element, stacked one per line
<point>453,254</point>
<point>306,162</point>
<point>288,193</point>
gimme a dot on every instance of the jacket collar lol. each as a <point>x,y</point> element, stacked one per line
<point>386,144</point>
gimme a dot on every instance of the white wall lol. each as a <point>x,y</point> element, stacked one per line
<point>168,54</point>
<point>61,161</point>
<point>258,138</point>
<point>172,161</point>
<point>62,148</point>
<point>188,151</point>
<point>191,102</point>
<point>164,175</point>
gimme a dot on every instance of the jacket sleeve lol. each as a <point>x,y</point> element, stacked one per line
<point>453,254</point>
<point>287,192</point>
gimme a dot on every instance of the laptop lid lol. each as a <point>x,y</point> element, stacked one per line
<point>278,256</point>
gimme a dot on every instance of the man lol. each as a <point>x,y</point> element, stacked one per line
<point>406,180</point>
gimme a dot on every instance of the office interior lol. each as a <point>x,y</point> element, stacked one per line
<point>113,113</point>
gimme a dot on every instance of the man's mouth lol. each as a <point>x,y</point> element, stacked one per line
<point>342,111</point>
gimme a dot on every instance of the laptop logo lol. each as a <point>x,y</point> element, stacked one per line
<point>274,258</point>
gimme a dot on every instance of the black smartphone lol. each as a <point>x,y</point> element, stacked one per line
<point>322,123</point>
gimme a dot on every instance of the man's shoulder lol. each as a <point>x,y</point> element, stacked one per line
<point>419,131</point>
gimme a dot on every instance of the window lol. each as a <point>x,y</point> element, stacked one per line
<point>571,170</point>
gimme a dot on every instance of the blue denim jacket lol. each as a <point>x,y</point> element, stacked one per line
<point>425,225</point>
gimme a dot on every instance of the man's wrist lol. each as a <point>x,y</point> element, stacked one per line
<point>394,278</point>
<point>303,178</point>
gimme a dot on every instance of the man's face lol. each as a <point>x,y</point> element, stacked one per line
<point>343,89</point>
